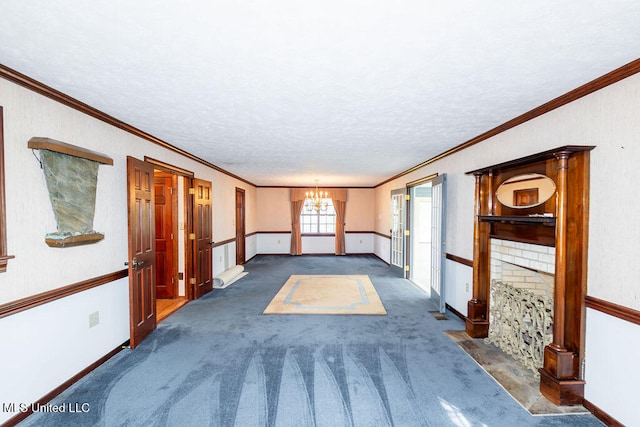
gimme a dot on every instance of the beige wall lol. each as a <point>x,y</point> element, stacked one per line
<point>37,267</point>
<point>224,207</point>
<point>360,209</point>
<point>274,208</point>
<point>607,119</point>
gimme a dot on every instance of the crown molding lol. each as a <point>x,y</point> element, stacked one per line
<point>593,86</point>
<point>42,89</point>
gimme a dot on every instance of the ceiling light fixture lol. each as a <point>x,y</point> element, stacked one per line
<point>317,201</point>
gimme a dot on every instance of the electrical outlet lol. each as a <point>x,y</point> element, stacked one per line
<point>467,287</point>
<point>94,319</point>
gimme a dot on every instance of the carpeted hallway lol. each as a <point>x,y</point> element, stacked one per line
<point>219,361</point>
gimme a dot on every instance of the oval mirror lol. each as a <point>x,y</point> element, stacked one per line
<point>526,191</point>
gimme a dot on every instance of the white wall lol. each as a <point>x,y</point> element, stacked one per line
<point>359,243</point>
<point>609,120</point>
<point>46,345</point>
<point>274,243</point>
<point>611,357</point>
<point>280,243</point>
<point>51,343</point>
<point>382,247</point>
<point>224,257</point>
<point>251,246</point>
<point>459,279</point>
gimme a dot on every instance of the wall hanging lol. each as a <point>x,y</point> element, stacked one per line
<point>71,174</point>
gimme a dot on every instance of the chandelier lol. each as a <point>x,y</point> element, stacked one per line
<point>317,200</point>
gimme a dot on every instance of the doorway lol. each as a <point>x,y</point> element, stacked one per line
<point>166,225</point>
<point>397,231</point>
<point>426,228</point>
<point>240,227</point>
<point>420,237</point>
<point>169,297</point>
<point>169,255</point>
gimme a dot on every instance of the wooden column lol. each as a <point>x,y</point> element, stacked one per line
<point>559,377</point>
<point>477,320</point>
<point>568,231</point>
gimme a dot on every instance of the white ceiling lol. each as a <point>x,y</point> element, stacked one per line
<point>283,92</point>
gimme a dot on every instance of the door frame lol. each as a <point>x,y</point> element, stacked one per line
<point>398,270</point>
<point>240,227</point>
<point>411,222</point>
<point>187,223</point>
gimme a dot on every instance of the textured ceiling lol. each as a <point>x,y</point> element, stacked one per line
<point>286,91</point>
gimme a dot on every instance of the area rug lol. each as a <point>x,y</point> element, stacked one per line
<point>521,383</point>
<point>327,294</point>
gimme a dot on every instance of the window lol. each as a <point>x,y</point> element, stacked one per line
<point>318,222</point>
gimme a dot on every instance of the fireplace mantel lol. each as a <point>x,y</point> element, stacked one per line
<point>562,222</point>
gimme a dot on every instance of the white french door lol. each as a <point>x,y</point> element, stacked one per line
<point>398,215</point>
<point>419,245</point>
<point>438,250</point>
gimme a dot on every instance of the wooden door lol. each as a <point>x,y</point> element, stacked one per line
<point>203,233</point>
<point>166,233</point>
<point>141,261</point>
<point>240,231</point>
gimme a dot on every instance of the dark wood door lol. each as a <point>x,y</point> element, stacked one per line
<point>203,233</point>
<point>166,232</point>
<point>240,232</point>
<point>141,262</point>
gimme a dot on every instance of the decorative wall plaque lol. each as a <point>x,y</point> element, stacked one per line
<point>71,174</point>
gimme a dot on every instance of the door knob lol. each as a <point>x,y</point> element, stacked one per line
<point>134,263</point>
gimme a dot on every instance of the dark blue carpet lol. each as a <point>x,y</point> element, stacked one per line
<point>219,361</point>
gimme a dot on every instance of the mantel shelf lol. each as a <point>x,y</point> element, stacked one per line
<point>39,143</point>
<point>519,219</point>
<point>560,222</point>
